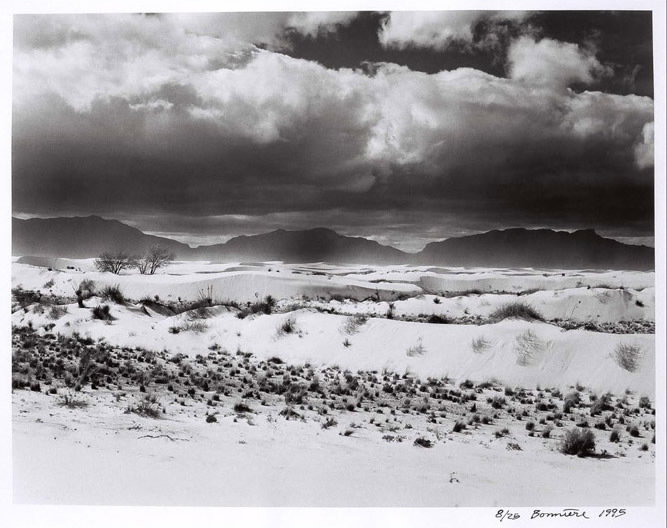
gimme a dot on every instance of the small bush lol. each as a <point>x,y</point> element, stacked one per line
<point>578,442</point>
<point>530,426</point>
<point>437,319</point>
<point>423,442</point>
<point>458,427</point>
<point>571,400</point>
<point>148,406</point>
<point>242,408</point>
<point>601,404</point>
<point>515,310</point>
<point>210,418</point>
<point>56,312</point>
<point>614,436</point>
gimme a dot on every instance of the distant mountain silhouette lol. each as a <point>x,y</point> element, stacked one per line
<point>313,245</point>
<point>538,248</point>
<point>83,237</point>
<point>86,237</point>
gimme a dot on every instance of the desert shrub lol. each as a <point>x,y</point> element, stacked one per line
<point>601,404</point>
<point>148,406</point>
<point>502,432</point>
<point>530,426</point>
<point>56,312</point>
<point>210,418</point>
<point>571,400</point>
<point>347,343</point>
<point>546,432</point>
<point>242,408</point>
<point>615,436</point>
<point>644,402</point>
<point>633,430</point>
<point>102,312</point>
<point>71,400</point>
<point>114,262</point>
<point>330,422</point>
<point>422,442</point>
<point>155,258</point>
<point>458,427</point>
<point>354,323</point>
<point>497,402</point>
<point>627,356</point>
<point>515,310</point>
<point>196,327</point>
<point>112,294</point>
<point>578,442</point>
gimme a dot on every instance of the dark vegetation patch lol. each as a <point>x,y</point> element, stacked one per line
<point>61,366</point>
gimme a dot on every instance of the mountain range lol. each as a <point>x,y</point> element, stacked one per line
<point>86,237</point>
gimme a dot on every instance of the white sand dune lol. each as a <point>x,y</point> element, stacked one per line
<point>100,455</point>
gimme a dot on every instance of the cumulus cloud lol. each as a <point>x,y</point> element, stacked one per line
<point>184,123</point>
<point>552,63</point>
<point>314,22</point>
<point>440,29</point>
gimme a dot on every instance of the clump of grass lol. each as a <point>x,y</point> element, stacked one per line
<point>289,413</point>
<point>528,345</point>
<point>578,442</point>
<point>196,327</point>
<point>502,432</point>
<point>330,422</point>
<point>354,323</point>
<point>628,356</point>
<point>416,350</point>
<point>56,312</point>
<point>102,312</point>
<point>288,326</point>
<point>515,310</point>
<point>112,294</point>
<point>480,344</point>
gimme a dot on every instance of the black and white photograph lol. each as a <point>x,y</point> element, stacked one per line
<point>284,258</point>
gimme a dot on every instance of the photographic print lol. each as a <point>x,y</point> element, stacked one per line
<point>334,259</point>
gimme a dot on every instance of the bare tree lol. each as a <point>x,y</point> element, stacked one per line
<point>154,259</point>
<point>114,262</point>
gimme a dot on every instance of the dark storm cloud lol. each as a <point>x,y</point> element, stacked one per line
<point>191,128</point>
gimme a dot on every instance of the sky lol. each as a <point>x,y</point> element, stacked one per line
<point>403,127</point>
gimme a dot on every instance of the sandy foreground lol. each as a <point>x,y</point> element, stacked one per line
<point>344,395</point>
